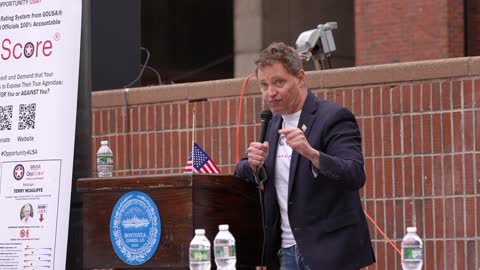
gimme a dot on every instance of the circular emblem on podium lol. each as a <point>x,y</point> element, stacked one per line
<point>135,228</point>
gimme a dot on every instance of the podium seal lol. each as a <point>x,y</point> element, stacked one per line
<point>135,228</point>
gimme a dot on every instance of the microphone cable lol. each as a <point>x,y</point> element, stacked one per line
<point>128,129</point>
<point>237,156</point>
<point>127,112</point>
<point>239,118</point>
<point>156,73</point>
<point>262,213</point>
<point>141,70</point>
<point>259,182</point>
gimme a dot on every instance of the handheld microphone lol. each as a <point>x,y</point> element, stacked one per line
<point>266,116</point>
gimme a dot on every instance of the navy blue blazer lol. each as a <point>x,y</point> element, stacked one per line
<point>325,212</point>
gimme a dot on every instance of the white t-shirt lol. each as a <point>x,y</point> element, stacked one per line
<point>282,171</point>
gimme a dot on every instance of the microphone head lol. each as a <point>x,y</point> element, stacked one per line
<point>266,115</point>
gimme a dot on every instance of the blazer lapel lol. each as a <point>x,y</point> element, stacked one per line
<point>272,136</point>
<point>270,191</point>
<point>305,124</point>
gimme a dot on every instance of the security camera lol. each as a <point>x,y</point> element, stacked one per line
<point>307,41</point>
<point>318,42</point>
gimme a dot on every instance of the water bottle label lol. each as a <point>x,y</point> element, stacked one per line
<point>224,251</point>
<point>104,161</point>
<point>199,256</point>
<point>412,253</point>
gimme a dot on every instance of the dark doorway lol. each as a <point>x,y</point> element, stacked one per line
<point>472,27</point>
<point>188,40</point>
<point>115,41</point>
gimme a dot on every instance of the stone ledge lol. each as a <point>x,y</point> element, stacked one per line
<point>335,78</point>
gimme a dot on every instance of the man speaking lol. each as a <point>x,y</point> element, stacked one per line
<point>313,165</point>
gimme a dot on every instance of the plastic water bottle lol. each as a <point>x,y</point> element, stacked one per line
<point>224,249</point>
<point>412,250</point>
<point>104,160</point>
<point>199,253</point>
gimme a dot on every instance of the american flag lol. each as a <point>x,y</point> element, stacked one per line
<point>201,162</point>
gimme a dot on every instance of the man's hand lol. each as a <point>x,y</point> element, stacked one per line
<point>296,139</point>
<point>257,154</point>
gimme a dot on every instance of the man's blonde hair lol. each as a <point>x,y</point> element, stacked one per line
<point>281,53</point>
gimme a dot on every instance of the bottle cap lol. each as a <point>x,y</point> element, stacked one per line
<point>223,227</point>
<point>104,142</point>
<point>200,231</point>
<point>411,229</point>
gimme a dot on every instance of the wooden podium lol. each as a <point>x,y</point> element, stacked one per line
<point>185,202</point>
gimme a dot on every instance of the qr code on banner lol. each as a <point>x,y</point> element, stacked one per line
<point>6,117</point>
<point>26,117</point>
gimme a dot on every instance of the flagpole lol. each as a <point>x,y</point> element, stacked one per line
<point>193,138</point>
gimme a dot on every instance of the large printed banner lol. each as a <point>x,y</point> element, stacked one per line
<point>39,64</point>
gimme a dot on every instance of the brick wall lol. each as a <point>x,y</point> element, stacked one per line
<point>410,30</point>
<point>420,124</point>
